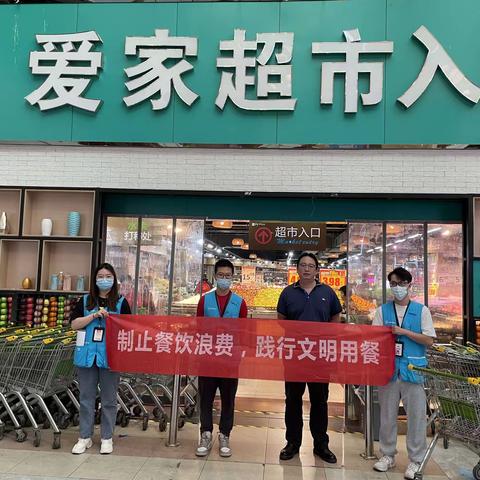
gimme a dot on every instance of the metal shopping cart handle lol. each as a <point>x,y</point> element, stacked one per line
<point>438,373</point>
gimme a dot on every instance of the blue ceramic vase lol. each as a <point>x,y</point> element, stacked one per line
<point>73,224</point>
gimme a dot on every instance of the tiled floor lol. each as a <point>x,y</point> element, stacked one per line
<point>143,456</point>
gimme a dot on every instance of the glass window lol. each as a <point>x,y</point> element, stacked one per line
<point>187,278</point>
<point>154,267</point>
<point>364,285</point>
<point>445,279</point>
<point>121,252</point>
<point>405,248</point>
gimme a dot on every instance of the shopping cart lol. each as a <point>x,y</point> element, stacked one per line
<point>455,400</point>
<point>34,369</point>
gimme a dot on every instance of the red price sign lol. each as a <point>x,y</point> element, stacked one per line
<point>333,278</point>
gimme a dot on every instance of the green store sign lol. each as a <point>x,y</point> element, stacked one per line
<point>324,72</point>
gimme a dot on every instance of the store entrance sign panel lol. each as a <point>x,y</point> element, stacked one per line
<point>287,236</point>
<point>267,73</point>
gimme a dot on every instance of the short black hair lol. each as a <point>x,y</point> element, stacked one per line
<point>343,289</point>
<point>310,255</point>
<point>403,274</point>
<point>223,262</point>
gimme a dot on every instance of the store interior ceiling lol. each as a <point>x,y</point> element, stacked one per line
<point>225,241</point>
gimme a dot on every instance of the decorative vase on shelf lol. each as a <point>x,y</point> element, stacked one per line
<point>47,226</point>
<point>3,223</point>
<point>73,224</point>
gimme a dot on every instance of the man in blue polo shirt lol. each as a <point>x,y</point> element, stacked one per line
<point>310,301</point>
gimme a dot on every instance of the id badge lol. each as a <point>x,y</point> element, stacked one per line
<point>98,334</point>
<point>399,349</point>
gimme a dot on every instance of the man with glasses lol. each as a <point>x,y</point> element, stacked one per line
<point>310,301</point>
<point>412,325</point>
<point>221,302</point>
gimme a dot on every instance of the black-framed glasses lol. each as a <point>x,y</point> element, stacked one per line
<point>399,284</point>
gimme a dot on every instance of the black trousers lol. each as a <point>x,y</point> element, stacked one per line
<point>207,387</point>
<point>318,412</point>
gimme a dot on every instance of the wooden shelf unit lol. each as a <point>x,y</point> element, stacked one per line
<point>70,257</point>
<point>18,260</point>
<point>24,252</point>
<point>55,204</point>
<point>10,203</point>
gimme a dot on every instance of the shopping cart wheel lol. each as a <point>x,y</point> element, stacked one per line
<point>476,471</point>
<point>446,443</point>
<point>157,413</point>
<point>418,476</point>
<point>137,411</point>
<point>64,422</point>
<point>22,420</point>
<point>189,411</point>
<point>145,422</point>
<point>56,441</point>
<point>181,422</point>
<point>162,423</point>
<point>20,435</point>
<point>124,419</point>
<point>37,437</point>
<point>76,419</point>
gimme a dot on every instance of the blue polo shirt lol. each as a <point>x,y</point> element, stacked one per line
<point>320,305</point>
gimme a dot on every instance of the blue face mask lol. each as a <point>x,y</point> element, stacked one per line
<point>399,292</point>
<point>104,284</point>
<point>224,283</point>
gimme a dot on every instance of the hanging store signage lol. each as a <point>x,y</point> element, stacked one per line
<point>261,349</point>
<point>267,73</point>
<point>287,236</point>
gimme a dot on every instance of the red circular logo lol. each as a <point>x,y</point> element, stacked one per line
<point>263,235</point>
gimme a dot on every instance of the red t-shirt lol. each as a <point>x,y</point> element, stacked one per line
<point>222,301</point>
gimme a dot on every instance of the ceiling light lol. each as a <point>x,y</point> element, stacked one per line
<point>222,224</point>
<point>238,242</point>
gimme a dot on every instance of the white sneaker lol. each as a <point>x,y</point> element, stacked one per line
<point>384,464</point>
<point>205,444</point>
<point>224,445</point>
<point>82,445</point>
<point>106,447</point>
<point>411,470</point>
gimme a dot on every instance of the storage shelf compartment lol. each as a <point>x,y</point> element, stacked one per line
<point>55,204</point>
<point>10,201</point>
<point>18,260</point>
<point>476,227</point>
<point>70,257</point>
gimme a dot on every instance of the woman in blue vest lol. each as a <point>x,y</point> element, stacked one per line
<point>412,326</point>
<point>88,318</point>
<point>221,302</point>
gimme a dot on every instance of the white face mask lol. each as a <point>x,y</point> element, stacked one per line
<point>399,292</point>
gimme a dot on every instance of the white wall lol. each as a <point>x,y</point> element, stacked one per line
<point>363,171</point>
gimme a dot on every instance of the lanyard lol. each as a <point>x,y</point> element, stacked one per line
<point>396,316</point>
<point>222,313</point>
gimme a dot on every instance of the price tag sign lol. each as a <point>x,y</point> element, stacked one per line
<point>333,278</point>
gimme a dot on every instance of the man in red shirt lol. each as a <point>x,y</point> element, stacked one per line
<point>221,302</point>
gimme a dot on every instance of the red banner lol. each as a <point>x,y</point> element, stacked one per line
<point>251,348</point>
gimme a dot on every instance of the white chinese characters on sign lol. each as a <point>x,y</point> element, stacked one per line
<point>233,85</point>
<point>70,63</point>
<point>66,60</point>
<point>437,58</point>
<point>352,67</point>
<point>266,346</point>
<point>152,77</point>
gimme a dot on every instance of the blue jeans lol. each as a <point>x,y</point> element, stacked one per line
<point>89,379</point>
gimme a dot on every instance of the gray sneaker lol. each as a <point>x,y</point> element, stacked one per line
<point>205,444</point>
<point>224,445</point>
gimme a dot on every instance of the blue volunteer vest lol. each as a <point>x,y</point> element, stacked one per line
<point>413,352</point>
<point>92,351</point>
<point>232,309</point>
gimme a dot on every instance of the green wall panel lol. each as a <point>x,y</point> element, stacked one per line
<point>283,208</point>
